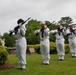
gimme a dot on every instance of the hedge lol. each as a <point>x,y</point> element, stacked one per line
<point>36,47</point>
<point>3,55</point>
<point>52,48</point>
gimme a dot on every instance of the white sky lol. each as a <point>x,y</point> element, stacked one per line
<point>42,10</point>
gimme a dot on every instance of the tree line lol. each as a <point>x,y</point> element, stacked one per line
<point>33,25</point>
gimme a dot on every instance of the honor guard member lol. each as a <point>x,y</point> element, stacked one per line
<point>71,33</point>
<point>59,34</point>
<point>44,42</point>
<point>21,45</point>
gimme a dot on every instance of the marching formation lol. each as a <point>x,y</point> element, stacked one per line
<point>44,32</point>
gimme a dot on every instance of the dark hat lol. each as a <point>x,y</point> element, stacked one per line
<point>20,20</point>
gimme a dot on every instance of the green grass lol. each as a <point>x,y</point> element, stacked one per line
<point>34,66</point>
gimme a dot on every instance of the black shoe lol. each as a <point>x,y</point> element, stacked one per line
<point>61,59</point>
<point>73,56</point>
<point>21,68</point>
<point>46,63</point>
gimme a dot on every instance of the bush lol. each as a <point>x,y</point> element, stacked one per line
<point>67,49</point>
<point>52,48</point>
<point>3,55</point>
<point>36,47</point>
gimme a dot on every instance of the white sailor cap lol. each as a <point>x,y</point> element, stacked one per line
<point>42,22</point>
<point>71,24</point>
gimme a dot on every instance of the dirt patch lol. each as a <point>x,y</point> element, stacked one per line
<point>7,66</point>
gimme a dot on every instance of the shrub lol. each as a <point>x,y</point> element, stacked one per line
<point>67,49</point>
<point>36,47</point>
<point>3,55</point>
<point>52,48</point>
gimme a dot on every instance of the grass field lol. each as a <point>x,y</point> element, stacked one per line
<point>34,66</point>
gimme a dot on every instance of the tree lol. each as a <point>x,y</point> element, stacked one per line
<point>31,27</point>
<point>9,40</point>
<point>65,21</point>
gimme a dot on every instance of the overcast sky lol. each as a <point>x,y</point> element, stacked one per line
<point>42,10</point>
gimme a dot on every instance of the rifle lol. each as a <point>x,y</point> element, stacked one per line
<point>48,25</point>
<point>51,23</point>
<point>17,27</point>
<point>26,20</point>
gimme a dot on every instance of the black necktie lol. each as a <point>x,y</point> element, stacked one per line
<point>42,31</point>
<point>60,31</point>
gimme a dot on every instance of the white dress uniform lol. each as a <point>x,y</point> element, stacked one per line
<point>72,41</point>
<point>59,43</point>
<point>44,44</point>
<point>21,46</point>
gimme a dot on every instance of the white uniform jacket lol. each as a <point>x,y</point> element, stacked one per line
<point>21,44</point>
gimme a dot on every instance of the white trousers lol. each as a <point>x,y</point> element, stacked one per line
<point>72,44</point>
<point>60,48</point>
<point>21,51</point>
<point>45,49</point>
